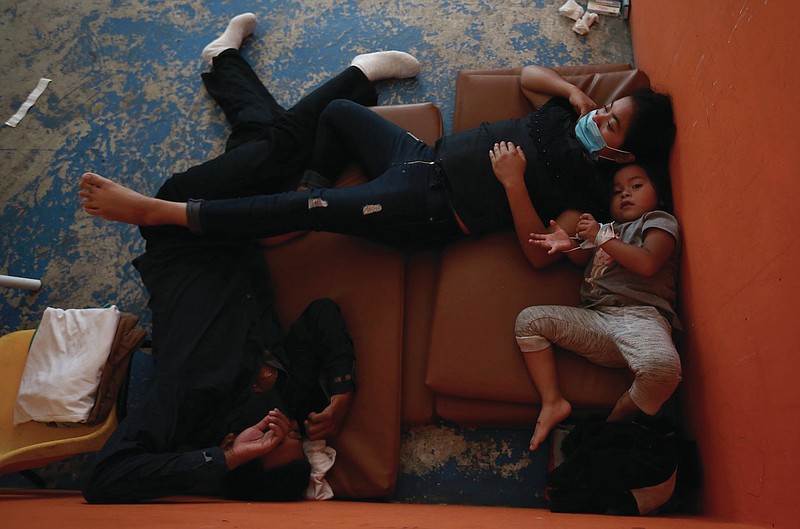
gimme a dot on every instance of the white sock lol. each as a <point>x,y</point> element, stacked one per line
<point>239,28</point>
<point>381,65</point>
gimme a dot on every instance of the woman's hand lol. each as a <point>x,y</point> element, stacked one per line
<point>581,102</point>
<point>508,163</point>
<point>556,241</point>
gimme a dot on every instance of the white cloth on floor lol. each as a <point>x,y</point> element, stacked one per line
<point>321,458</point>
<point>581,27</point>
<point>65,361</point>
<point>571,9</point>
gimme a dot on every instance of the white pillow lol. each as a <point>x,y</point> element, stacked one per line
<point>65,361</point>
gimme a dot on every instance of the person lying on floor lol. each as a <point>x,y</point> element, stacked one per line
<point>627,314</point>
<point>467,184</point>
<point>232,394</point>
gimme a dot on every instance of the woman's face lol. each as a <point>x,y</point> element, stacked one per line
<point>614,120</point>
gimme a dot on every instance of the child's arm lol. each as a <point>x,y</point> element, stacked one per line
<point>645,260</point>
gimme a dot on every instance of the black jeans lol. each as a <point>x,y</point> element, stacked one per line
<point>268,148</point>
<point>404,201</point>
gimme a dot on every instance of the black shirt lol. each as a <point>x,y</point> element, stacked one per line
<point>558,175</point>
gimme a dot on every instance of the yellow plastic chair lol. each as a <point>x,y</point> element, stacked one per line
<point>32,445</point>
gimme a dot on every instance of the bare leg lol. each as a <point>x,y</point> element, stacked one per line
<point>624,409</point>
<point>555,408</point>
<point>326,423</point>
<point>111,201</point>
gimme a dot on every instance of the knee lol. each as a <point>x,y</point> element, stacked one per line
<point>323,306</point>
<point>659,377</point>
<point>529,337</point>
<point>664,368</point>
<point>323,313</point>
<point>527,322</point>
<point>334,110</point>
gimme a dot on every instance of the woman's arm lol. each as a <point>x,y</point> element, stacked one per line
<point>539,84</point>
<point>508,163</point>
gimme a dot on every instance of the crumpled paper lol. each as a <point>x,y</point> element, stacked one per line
<point>581,26</point>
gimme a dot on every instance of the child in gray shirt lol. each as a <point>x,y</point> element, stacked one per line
<point>627,311</point>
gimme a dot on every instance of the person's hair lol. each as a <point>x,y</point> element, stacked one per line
<point>250,482</point>
<point>658,173</point>
<point>652,129</point>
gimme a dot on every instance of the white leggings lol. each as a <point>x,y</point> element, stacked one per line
<point>637,337</point>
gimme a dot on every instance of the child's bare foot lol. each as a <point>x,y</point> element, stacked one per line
<point>549,417</point>
<point>326,423</point>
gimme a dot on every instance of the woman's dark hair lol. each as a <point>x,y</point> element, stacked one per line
<point>659,177</point>
<point>250,482</point>
<point>652,129</point>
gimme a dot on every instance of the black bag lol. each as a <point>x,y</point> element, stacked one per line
<point>618,467</point>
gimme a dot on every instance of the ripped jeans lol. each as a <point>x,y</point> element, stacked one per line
<point>404,202</point>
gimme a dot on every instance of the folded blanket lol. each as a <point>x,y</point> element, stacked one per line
<point>65,361</point>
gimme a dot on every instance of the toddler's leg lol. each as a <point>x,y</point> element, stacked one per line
<point>646,344</point>
<point>555,408</point>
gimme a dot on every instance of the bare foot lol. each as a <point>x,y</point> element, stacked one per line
<point>108,200</point>
<point>326,423</point>
<point>549,417</point>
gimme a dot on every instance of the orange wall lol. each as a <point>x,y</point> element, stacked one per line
<point>733,70</point>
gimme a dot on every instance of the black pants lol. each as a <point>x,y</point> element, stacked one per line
<point>268,147</point>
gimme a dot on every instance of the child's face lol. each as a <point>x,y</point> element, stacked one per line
<point>634,194</point>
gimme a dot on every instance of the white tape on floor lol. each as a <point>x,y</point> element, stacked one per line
<point>23,109</point>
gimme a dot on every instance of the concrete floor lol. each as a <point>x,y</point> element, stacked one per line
<point>126,101</point>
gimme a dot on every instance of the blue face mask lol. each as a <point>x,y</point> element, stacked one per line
<point>589,134</point>
<point>590,137</point>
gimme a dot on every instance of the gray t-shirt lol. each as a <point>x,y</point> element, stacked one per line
<point>608,283</point>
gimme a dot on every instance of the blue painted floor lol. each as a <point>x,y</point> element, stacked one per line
<point>126,101</point>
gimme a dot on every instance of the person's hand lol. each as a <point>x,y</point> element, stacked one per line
<point>556,241</point>
<point>508,162</point>
<point>581,102</point>
<point>257,440</point>
<point>327,423</point>
<point>587,227</point>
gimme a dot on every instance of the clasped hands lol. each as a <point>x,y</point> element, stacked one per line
<point>559,240</point>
